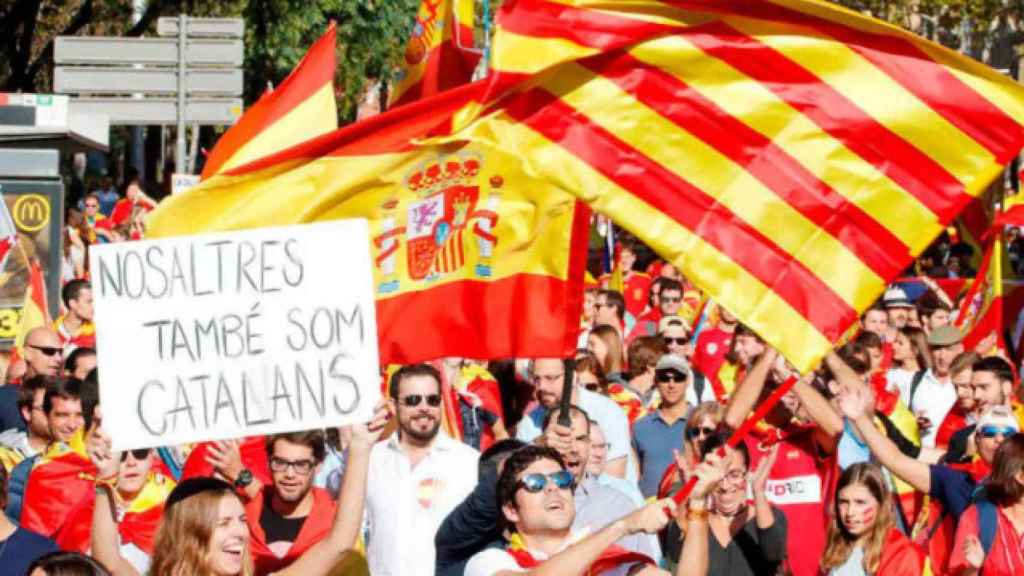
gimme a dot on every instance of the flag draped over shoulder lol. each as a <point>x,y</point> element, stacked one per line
<point>301,108</point>
<point>789,156</point>
<point>436,57</point>
<point>62,477</point>
<point>472,257</point>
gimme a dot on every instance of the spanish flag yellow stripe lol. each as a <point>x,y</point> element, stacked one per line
<point>517,54</point>
<point>736,189</point>
<point>821,154</point>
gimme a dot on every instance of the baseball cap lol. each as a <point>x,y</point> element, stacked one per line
<point>945,336</point>
<point>998,416</point>
<point>673,362</point>
<point>895,297</point>
<point>672,320</point>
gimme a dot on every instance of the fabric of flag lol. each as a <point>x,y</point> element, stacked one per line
<point>980,318</point>
<point>975,221</point>
<point>300,108</point>
<point>137,525</point>
<point>61,478</point>
<point>8,234</point>
<point>438,55</point>
<point>34,310</point>
<point>519,291</point>
<point>789,156</point>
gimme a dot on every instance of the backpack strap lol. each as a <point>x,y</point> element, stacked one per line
<point>915,383</point>
<point>698,385</point>
<point>988,518</point>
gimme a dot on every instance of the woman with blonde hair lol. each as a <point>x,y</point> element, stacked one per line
<point>606,343</point>
<point>862,535</point>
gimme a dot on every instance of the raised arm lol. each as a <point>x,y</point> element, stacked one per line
<point>104,525</point>
<point>747,393</point>
<point>320,559</point>
<point>857,404</point>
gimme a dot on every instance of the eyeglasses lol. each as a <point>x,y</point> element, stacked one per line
<point>139,454</point>
<point>47,350</point>
<point>534,483</point>
<point>413,400</point>
<point>993,431</point>
<point>92,205</point>
<point>680,341</point>
<point>671,299</point>
<point>671,376</point>
<point>300,466</point>
<point>736,475</point>
<point>694,433</point>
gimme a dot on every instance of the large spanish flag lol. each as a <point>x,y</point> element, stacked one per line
<point>35,311</point>
<point>61,477</point>
<point>981,315</point>
<point>438,55</point>
<point>300,108</point>
<point>789,156</point>
<point>473,258</point>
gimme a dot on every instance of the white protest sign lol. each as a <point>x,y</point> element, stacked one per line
<point>233,334</point>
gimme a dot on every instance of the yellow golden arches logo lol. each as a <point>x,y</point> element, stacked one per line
<point>31,212</point>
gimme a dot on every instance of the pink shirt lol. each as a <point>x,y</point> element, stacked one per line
<point>1006,558</point>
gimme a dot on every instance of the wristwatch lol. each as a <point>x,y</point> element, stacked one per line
<point>244,479</point>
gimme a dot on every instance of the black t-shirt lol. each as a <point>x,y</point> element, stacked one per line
<point>21,549</point>
<point>277,527</point>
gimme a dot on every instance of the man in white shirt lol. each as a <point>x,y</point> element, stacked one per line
<point>548,375</point>
<point>931,396</point>
<point>415,479</point>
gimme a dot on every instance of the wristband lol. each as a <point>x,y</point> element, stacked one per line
<point>700,515</point>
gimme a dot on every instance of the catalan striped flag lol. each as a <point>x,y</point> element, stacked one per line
<point>515,289</point>
<point>300,108</point>
<point>789,156</point>
<point>438,55</point>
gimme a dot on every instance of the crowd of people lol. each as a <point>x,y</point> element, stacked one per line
<point>901,455</point>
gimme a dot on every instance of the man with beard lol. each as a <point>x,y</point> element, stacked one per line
<point>415,478</point>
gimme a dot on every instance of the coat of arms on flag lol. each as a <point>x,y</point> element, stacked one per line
<point>446,222</point>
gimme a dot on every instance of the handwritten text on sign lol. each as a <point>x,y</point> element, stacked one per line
<point>233,334</point>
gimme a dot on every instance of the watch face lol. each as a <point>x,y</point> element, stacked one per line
<point>244,478</point>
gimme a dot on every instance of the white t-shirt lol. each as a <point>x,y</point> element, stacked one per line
<point>935,399</point>
<point>493,560</point>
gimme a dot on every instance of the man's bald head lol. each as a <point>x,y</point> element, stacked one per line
<point>43,352</point>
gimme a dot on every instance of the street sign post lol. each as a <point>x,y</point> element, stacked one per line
<point>192,75</point>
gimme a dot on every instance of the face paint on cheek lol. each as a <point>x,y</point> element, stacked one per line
<point>867,517</point>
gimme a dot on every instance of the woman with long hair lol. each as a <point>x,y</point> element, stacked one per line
<point>862,535</point>
<point>999,512</point>
<point>910,352</point>
<point>204,531</point>
<point>606,343</point>
<point>590,375</point>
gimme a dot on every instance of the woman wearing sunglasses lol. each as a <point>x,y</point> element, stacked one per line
<point>702,424</point>
<point>745,538</point>
<point>862,535</point>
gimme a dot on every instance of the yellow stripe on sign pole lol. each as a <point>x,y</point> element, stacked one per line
<point>695,161</point>
<point>822,155</point>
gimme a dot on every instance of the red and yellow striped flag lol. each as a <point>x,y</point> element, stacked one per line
<point>789,156</point>
<point>300,108</point>
<point>437,57</point>
<point>472,257</point>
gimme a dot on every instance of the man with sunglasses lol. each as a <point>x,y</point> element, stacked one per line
<point>43,353</point>
<point>535,494</point>
<point>416,478</point>
<point>670,299</point>
<point>657,434</point>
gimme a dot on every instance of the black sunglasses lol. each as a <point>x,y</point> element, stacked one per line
<point>413,400</point>
<point>680,341</point>
<point>671,376</point>
<point>693,433</point>
<point>671,299</point>
<point>47,350</point>
<point>138,454</point>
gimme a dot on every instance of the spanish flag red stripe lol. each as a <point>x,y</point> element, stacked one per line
<point>786,176</point>
<point>890,154</point>
<point>541,19</point>
<point>686,204</point>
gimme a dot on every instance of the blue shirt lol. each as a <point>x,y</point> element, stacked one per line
<point>954,488</point>
<point>654,439</point>
<point>22,548</point>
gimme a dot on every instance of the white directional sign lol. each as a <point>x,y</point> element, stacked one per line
<point>147,111</point>
<point>203,27</point>
<point>109,80</point>
<point>95,50</point>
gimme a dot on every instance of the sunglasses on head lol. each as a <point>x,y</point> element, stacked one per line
<point>993,431</point>
<point>680,341</point>
<point>139,454</point>
<point>694,433</point>
<point>671,376</point>
<point>413,400</point>
<point>47,350</point>
<point>534,483</point>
